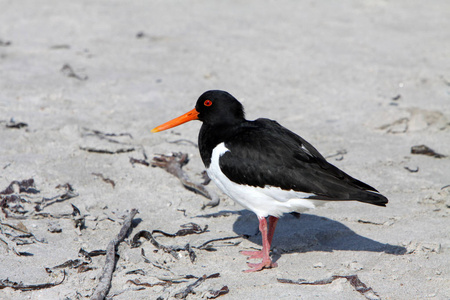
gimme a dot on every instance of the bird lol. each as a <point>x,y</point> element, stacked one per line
<point>265,167</point>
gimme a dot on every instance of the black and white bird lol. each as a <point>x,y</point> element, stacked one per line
<point>265,167</point>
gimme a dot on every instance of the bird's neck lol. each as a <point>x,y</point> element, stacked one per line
<point>210,136</point>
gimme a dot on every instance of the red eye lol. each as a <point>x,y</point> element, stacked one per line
<point>207,103</point>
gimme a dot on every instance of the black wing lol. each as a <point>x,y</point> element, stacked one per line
<point>264,153</point>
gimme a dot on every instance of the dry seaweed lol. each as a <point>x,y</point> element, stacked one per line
<point>189,228</point>
<point>105,151</point>
<point>207,247</point>
<point>155,264</point>
<point>148,235</point>
<point>354,281</point>
<point>425,150</point>
<point>24,186</point>
<point>190,288</point>
<point>5,43</point>
<point>173,164</point>
<point>108,137</point>
<point>205,177</point>
<point>184,141</point>
<point>223,213</point>
<point>14,205</point>
<point>105,136</point>
<point>192,255</point>
<point>139,161</point>
<point>10,245</point>
<point>217,293</point>
<point>16,125</point>
<point>412,170</point>
<point>14,236</point>
<point>80,264</point>
<point>69,194</point>
<point>146,284</point>
<point>69,72</point>
<point>137,271</point>
<point>107,180</point>
<point>339,155</point>
<point>6,283</point>
<point>71,264</point>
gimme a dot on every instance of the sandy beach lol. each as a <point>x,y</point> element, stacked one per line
<point>83,82</point>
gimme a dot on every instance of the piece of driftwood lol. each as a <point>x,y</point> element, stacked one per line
<point>104,284</point>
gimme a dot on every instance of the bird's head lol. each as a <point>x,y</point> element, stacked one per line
<point>213,107</point>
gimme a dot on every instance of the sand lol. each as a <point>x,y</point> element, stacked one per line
<point>362,81</point>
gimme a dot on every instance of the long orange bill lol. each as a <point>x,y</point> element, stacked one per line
<point>189,116</point>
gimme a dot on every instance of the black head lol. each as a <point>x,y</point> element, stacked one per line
<point>219,108</point>
<point>213,108</point>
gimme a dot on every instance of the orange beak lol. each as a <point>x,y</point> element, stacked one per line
<point>189,116</point>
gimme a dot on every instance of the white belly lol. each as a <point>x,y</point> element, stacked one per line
<point>263,202</point>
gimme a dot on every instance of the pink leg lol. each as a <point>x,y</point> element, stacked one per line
<point>272,224</point>
<point>267,241</point>
<point>259,253</point>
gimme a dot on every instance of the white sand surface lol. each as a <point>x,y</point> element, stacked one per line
<point>369,78</point>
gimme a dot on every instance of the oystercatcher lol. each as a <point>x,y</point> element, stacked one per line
<point>265,167</point>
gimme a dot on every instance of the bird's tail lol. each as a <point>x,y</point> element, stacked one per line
<point>370,197</point>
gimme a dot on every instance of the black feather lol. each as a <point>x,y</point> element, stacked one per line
<point>263,153</point>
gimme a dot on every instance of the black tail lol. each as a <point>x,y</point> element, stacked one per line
<point>370,197</point>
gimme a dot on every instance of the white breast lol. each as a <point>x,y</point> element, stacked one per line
<point>263,202</point>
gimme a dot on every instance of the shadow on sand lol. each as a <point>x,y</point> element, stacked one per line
<point>311,233</point>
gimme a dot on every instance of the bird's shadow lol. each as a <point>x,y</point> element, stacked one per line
<point>311,233</point>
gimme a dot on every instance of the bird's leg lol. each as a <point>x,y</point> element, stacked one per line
<point>272,224</point>
<point>266,241</point>
<point>259,253</point>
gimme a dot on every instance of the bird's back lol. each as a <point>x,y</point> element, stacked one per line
<point>263,153</point>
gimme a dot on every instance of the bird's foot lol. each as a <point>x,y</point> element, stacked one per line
<point>265,264</point>
<point>252,254</point>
